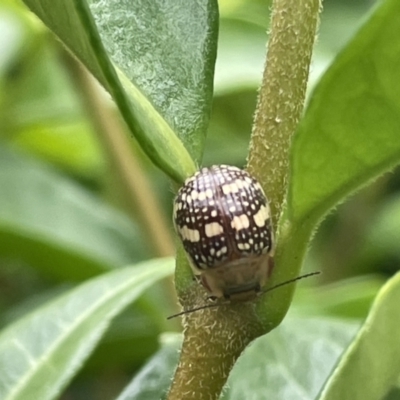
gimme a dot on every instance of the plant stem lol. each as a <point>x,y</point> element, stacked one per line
<point>282,95</point>
<point>214,338</point>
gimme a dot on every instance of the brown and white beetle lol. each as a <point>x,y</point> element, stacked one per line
<point>222,216</point>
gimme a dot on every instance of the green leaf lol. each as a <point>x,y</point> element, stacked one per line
<point>349,134</point>
<point>42,352</point>
<point>161,71</point>
<point>168,48</point>
<point>371,365</point>
<point>292,362</point>
<point>45,217</point>
<point>42,113</point>
<point>119,347</point>
<point>383,234</point>
<point>68,146</point>
<point>154,379</point>
<point>347,298</point>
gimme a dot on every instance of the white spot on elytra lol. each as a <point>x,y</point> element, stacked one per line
<point>202,196</point>
<point>241,183</point>
<point>194,194</point>
<point>223,250</point>
<point>261,216</point>
<point>240,222</point>
<point>213,229</point>
<point>230,188</point>
<point>243,246</point>
<point>192,235</point>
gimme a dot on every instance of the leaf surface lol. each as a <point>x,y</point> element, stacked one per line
<point>40,353</point>
<point>370,367</point>
<point>292,362</point>
<point>349,134</point>
<point>156,58</point>
<point>54,225</point>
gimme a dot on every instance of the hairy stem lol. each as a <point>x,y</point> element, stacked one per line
<point>282,95</point>
<point>214,338</point>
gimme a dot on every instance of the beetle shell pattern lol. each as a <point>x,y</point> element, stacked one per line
<point>222,216</point>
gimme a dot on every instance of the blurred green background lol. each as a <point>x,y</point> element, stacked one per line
<point>64,216</point>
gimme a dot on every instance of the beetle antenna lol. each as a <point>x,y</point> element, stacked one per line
<point>289,281</point>
<point>261,293</point>
<point>195,309</point>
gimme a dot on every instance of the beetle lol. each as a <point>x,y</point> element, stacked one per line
<point>223,219</point>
